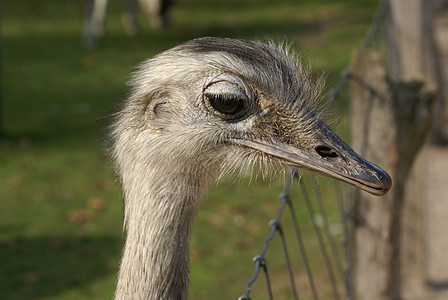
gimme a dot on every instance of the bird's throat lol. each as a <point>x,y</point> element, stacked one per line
<point>155,263</point>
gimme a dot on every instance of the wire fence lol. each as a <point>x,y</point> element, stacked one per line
<point>339,267</point>
<point>334,264</point>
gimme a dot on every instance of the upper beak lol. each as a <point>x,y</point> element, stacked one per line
<point>327,154</point>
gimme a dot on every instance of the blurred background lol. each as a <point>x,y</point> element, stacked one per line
<point>61,210</point>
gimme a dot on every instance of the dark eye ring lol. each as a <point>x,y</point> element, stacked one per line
<point>227,104</point>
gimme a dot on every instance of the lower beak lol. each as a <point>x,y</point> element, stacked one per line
<point>338,161</point>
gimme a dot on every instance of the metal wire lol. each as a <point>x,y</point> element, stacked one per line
<point>375,27</point>
<point>288,263</point>
<point>326,227</point>
<point>302,247</point>
<point>346,216</point>
<point>372,35</point>
<point>260,260</point>
<point>322,246</point>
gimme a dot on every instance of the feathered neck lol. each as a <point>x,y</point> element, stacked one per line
<point>155,259</point>
<point>161,192</point>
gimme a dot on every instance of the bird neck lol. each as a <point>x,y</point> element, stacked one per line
<point>160,204</point>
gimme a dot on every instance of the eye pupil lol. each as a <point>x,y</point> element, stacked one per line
<point>226,104</point>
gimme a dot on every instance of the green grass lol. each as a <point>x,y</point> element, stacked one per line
<point>61,210</point>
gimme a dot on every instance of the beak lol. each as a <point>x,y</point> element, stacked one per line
<point>328,155</point>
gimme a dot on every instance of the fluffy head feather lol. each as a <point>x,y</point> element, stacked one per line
<point>166,102</point>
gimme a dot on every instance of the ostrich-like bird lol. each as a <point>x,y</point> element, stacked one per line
<point>205,107</point>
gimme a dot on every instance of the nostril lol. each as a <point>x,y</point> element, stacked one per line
<point>325,152</point>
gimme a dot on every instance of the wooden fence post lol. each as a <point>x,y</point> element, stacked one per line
<point>391,114</point>
<point>372,120</point>
<point>440,125</point>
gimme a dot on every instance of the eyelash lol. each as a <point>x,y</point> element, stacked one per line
<point>230,105</point>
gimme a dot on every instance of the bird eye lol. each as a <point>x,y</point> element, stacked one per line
<point>227,104</point>
<point>227,97</point>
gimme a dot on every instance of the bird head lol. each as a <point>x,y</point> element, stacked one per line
<point>232,102</point>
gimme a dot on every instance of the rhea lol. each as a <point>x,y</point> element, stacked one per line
<point>204,108</point>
